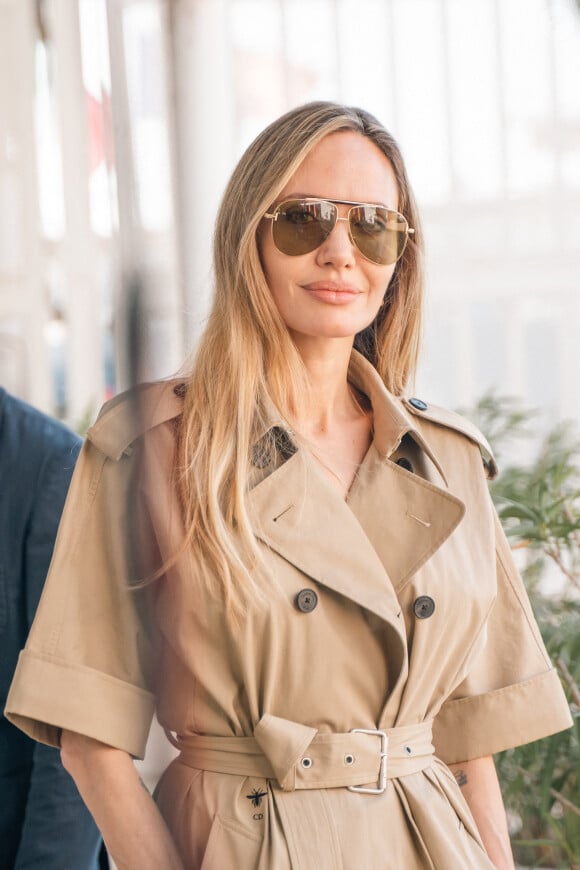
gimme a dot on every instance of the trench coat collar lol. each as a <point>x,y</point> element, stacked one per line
<point>300,515</point>
<point>391,421</point>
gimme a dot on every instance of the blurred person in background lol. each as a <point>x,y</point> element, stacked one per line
<point>43,820</point>
<point>292,561</point>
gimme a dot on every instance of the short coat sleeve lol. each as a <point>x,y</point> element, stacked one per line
<point>87,665</point>
<point>512,694</point>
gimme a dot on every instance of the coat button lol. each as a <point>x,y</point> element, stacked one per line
<point>419,404</point>
<point>404,463</point>
<point>424,607</point>
<point>306,600</point>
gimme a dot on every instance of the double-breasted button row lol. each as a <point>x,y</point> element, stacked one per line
<point>424,607</point>
<point>306,600</point>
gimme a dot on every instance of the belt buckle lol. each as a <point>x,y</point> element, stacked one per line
<point>382,780</point>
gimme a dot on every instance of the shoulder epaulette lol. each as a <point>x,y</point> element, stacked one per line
<point>451,420</point>
<point>125,418</point>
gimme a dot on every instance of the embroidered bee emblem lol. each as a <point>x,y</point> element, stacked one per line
<point>256,797</point>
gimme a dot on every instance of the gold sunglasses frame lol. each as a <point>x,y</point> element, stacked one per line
<point>273,216</point>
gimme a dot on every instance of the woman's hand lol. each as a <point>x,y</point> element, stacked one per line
<point>480,787</point>
<point>132,827</point>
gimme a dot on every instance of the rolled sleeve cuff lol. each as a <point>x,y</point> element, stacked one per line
<point>49,694</point>
<point>482,725</point>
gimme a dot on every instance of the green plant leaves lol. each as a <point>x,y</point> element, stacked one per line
<point>539,506</point>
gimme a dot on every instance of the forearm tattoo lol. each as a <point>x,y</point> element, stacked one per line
<point>460,777</point>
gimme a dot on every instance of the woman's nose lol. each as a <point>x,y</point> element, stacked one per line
<point>337,250</point>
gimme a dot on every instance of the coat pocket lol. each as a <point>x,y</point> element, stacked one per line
<point>448,784</point>
<point>230,844</point>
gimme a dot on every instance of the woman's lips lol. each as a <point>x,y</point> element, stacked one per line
<point>332,291</point>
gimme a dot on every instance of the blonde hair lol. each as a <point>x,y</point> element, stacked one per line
<point>246,354</point>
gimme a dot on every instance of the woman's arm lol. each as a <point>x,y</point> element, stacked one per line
<point>132,827</point>
<point>480,787</point>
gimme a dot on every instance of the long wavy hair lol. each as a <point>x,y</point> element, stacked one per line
<point>246,355</point>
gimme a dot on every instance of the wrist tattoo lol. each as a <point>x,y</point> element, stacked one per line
<point>460,778</point>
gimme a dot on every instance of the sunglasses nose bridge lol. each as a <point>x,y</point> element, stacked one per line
<point>337,239</point>
<point>344,220</point>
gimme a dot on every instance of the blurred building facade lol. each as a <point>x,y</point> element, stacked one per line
<point>120,121</point>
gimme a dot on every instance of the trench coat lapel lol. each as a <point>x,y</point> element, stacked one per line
<point>364,549</point>
<point>368,547</point>
<point>298,514</point>
<point>405,518</point>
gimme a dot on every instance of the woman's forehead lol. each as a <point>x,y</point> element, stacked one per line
<point>345,165</point>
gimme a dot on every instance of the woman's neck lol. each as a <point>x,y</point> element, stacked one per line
<point>334,423</point>
<point>331,402</point>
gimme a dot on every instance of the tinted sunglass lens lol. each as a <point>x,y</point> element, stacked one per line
<point>379,234</point>
<point>301,226</point>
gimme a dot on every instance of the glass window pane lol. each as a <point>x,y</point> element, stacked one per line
<point>422,124</point>
<point>146,87</point>
<point>527,93</point>
<point>474,67</point>
<point>97,82</point>
<point>48,151</point>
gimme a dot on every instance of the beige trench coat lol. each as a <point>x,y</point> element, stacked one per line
<point>412,621</point>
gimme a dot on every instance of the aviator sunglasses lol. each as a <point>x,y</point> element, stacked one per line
<point>299,226</point>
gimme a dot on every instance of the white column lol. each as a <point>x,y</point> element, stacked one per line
<point>205,137</point>
<point>79,248</point>
<point>23,309</point>
<point>127,248</point>
<point>150,253</point>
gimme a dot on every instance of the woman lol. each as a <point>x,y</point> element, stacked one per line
<point>333,615</point>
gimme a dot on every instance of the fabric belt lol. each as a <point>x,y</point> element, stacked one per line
<point>300,757</point>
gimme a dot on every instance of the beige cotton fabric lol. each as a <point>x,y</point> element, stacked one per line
<point>421,627</point>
